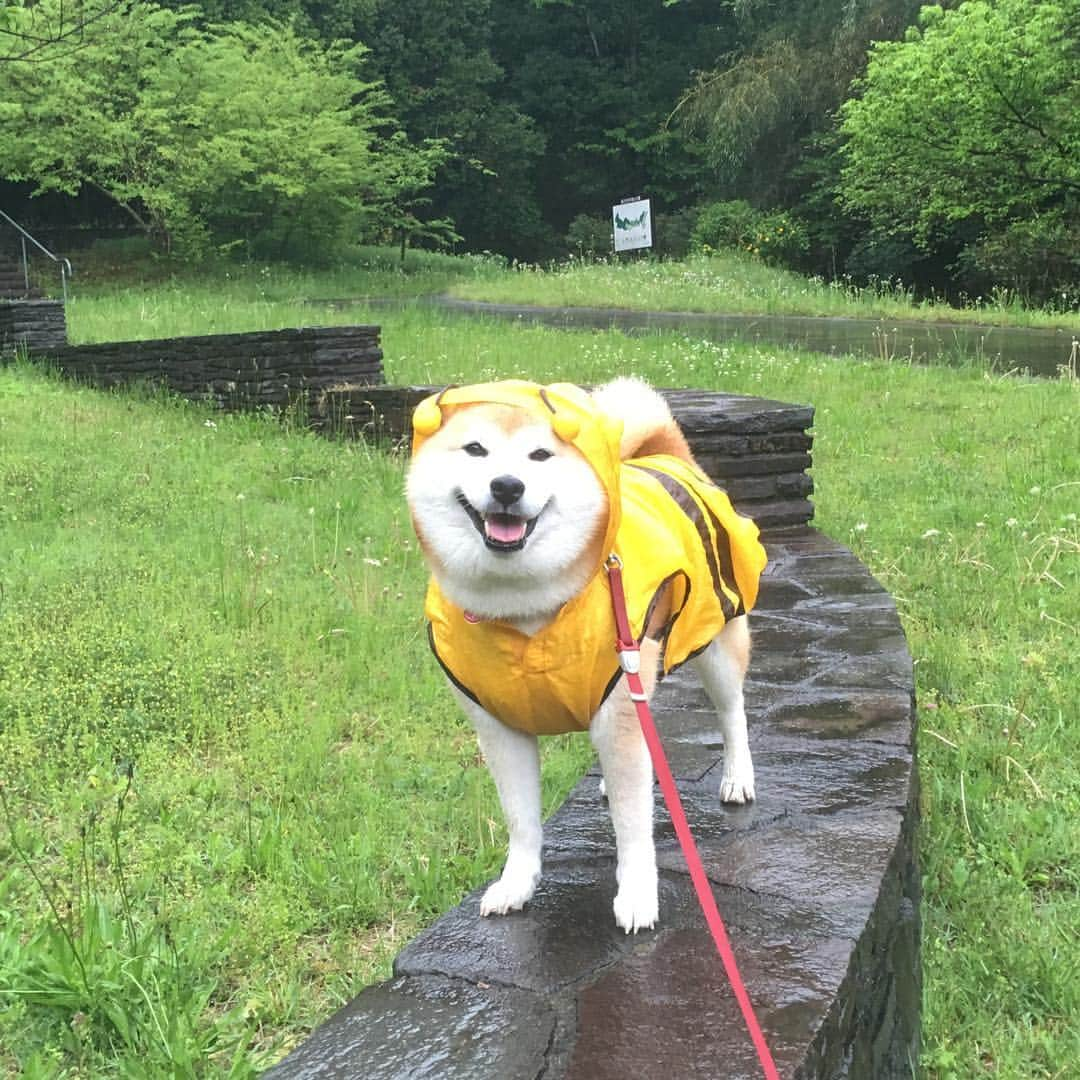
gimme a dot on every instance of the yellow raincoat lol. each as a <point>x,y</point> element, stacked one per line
<point>670,526</point>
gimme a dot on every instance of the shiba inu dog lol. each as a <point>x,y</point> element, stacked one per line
<point>519,494</point>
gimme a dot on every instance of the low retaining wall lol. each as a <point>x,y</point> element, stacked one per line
<point>35,325</point>
<point>817,881</point>
<point>272,368</point>
<point>758,450</point>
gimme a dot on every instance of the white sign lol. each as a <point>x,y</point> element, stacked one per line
<point>633,225</point>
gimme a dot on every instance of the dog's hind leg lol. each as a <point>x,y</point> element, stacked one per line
<point>513,758</point>
<point>721,668</point>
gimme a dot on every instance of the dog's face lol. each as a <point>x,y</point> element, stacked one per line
<point>506,512</point>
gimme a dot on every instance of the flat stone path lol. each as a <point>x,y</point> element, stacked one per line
<point>817,883</point>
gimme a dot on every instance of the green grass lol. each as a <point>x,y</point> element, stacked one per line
<point>304,797</point>
<point>177,309</point>
<point>737,283</point>
<point>116,297</point>
<point>233,610</point>
<point>228,297</point>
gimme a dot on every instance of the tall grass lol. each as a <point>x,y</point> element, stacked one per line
<point>737,283</point>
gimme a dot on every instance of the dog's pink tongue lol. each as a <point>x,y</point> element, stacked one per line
<point>504,528</point>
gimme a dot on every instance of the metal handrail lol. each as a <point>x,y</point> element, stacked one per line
<point>63,263</point>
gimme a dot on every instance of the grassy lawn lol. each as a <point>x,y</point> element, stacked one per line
<point>735,283</point>
<point>119,295</point>
<point>234,297</point>
<point>231,612</point>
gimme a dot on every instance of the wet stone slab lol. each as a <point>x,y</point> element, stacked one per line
<point>639,1020</point>
<point>421,1028</point>
<point>816,880</point>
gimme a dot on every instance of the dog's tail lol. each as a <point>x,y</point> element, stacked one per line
<point>648,426</point>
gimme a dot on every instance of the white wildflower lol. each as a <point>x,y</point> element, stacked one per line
<point>931,533</point>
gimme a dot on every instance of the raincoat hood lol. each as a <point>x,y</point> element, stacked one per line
<point>572,414</point>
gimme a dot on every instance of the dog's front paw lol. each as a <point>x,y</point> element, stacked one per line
<point>737,782</point>
<point>511,892</point>
<point>637,906</point>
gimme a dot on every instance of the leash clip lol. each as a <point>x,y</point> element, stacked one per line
<point>625,645</point>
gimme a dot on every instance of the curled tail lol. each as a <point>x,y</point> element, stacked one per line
<point>648,426</point>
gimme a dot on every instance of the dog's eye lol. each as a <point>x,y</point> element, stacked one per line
<point>540,455</point>
<point>474,449</point>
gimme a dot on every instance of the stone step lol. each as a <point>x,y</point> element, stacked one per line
<point>13,281</point>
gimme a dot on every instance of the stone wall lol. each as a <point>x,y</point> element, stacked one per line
<point>758,450</point>
<point>36,325</point>
<point>817,882</point>
<point>272,368</point>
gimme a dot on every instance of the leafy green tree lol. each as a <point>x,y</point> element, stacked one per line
<point>435,57</point>
<point>239,136</point>
<point>975,114</point>
<point>972,124</point>
<point>599,78</point>
<point>788,67</point>
<point>34,33</point>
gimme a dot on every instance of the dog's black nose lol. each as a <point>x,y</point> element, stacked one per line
<point>507,489</point>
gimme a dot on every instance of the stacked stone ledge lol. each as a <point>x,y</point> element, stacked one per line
<point>265,369</point>
<point>38,326</point>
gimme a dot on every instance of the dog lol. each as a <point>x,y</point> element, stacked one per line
<point>519,494</point>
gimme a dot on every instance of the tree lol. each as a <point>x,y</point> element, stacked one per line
<point>787,68</point>
<point>599,77</point>
<point>234,135</point>
<point>971,124</point>
<point>436,60</point>
<point>33,33</point>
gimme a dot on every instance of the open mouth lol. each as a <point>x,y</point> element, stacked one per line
<point>500,532</point>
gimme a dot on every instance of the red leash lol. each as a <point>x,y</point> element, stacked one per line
<point>629,659</point>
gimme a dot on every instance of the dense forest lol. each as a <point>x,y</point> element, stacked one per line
<point>869,138</point>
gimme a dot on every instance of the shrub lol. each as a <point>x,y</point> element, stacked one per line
<point>1038,258</point>
<point>777,236</point>
<point>730,224</point>
<point>780,238</point>
<point>589,236</point>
